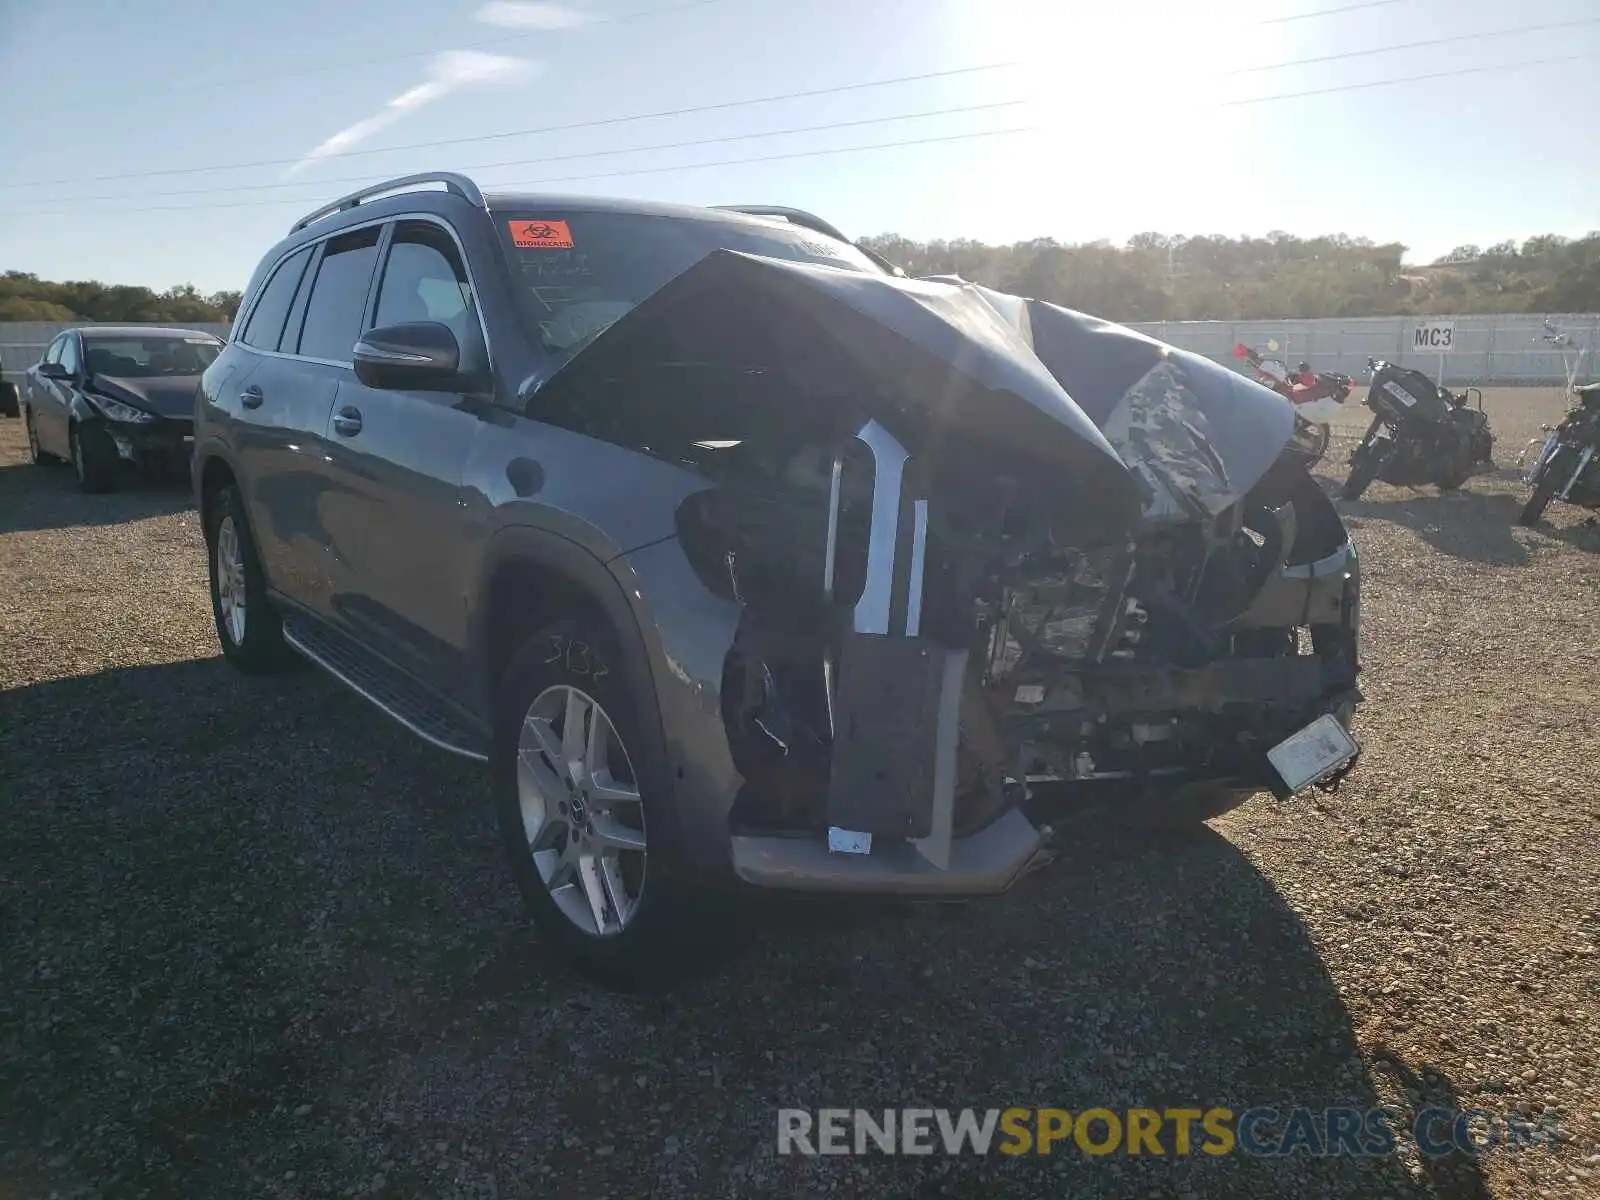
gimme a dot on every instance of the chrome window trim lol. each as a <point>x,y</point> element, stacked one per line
<point>243,317</point>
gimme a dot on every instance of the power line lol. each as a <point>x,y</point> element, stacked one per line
<point>799,129</point>
<point>614,19</point>
<point>731,162</point>
<point>1329,12</point>
<point>489,137</point>
<point>544,158</point>
<point>1349,87</point>
<point>1444,41</point>
<point>691,110</point>
<point>347,64</point>
<point>1356,87</point>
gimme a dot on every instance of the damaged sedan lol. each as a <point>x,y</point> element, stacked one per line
<point>742,559</point>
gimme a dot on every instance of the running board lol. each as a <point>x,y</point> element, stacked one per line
<point>383,686</point>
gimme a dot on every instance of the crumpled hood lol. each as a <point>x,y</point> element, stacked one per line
<point>1199,435</point>
<point>944,364</point>
<point>934,364</point>
<point>169,396</point>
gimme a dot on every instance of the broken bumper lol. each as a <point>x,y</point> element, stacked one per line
<point>985,863</point>
<point>164,444</point>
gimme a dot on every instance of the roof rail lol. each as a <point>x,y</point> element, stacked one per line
<point>459,184</point>
<point>795,216</point>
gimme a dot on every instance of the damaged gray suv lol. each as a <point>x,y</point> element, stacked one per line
<point>741,559</point>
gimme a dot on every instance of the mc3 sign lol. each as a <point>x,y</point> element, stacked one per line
<point>1433,337</point>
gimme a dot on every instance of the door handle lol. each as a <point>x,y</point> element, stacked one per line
<point>347,421</point>
<point>251,397</point>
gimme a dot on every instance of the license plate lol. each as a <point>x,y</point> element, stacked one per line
<point>188,439</point>
<point>1317,751</point>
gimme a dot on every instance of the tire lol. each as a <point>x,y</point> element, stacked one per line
<point>1309,443</point>
<point>638,925</point>
<point>94,459</point>
<point>251,634</point>
<point>1361,476</point>
<point>38,457</point>
<point>1543,492</point>
<point>1320,447</point>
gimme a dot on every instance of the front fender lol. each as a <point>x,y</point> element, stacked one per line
<point>1316,593</point>
<point>688,634</point>
<point>672,637</point>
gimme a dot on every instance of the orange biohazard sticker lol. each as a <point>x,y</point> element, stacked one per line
<point>541,235</point>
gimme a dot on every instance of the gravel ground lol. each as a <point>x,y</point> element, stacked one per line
<point>255,940</point>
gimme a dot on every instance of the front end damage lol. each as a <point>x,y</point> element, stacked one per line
<point>955,621</point>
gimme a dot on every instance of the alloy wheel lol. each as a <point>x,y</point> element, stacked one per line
<point>581,810</point>
<point>230,580</point>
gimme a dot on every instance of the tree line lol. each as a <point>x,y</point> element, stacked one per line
<point>1153,277</point>
<point>26,297</point>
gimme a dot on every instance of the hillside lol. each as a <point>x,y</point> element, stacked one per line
<point>1155,277</point>
<point>25,297</point>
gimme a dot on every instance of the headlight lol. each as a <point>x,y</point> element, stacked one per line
<point>116,410</point>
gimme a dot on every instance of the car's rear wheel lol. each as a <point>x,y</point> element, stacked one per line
<point>581,807</point>
<point>36,454</point>
<point>247,623</point>
<point>94,458</point>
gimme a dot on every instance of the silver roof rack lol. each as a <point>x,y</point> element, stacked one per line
<point>795,216</point>
<point>459,184</point>
<point>798,216</point>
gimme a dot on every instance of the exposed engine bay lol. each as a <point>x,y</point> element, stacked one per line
<point>1176,655</point>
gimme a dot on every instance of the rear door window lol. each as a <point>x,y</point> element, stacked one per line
<point>339,296</point>
<point>265,326</point>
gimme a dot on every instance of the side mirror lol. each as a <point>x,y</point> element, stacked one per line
<point>53,370</point>
<point>416,356</point>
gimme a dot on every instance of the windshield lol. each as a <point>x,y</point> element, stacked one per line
<point>150,357</point>
<point>578,272</point>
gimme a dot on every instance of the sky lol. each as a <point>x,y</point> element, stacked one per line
<point>159,142</point>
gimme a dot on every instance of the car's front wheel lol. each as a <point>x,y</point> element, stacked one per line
<point>580,804</point>
<point>247,623</point>
<point>36,454</point>
<point>94,458</point>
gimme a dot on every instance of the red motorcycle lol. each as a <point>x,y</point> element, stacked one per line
<point>1317,397</point>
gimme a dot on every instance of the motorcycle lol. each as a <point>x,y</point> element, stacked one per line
<point>1317,398</point>
<point>1567,467</point>
<point>1421,433</point>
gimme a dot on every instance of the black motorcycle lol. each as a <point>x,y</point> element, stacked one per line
<point>1420,434</point>
<point>1568,466</point>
